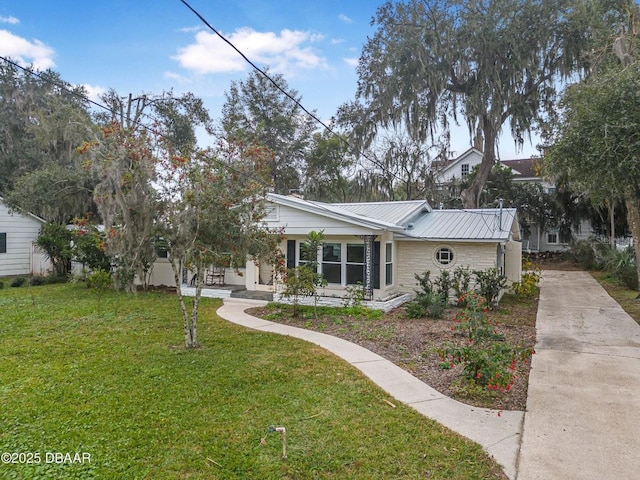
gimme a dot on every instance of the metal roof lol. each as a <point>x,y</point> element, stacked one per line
<point>481,224</point>
<point>334,211</point>
<point>393,212</point>
<point>414,219</point>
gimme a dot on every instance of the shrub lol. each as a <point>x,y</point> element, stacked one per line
<point>426,305</point>
<point>489,284</point>
<point>621,264</point>
<point>527,287</point>
<point>100,280</point>
<point>37,280</point>
<point>488,359</point>
<point>443,285</point>
<point>461,280</point>
<point>18,282</point>
<point>1,284</point>
<point>425,283</point>
<point>437,308</point>
<point>354,296</point>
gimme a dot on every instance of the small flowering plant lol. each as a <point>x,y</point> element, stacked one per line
<point>488,359</point>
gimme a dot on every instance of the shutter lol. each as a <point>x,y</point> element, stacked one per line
<point>376,265</point>
<point>291,253</point>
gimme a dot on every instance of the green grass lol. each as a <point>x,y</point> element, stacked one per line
<point>114,380</point>
<point>626,298</point>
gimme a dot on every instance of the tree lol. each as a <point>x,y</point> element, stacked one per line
<point>304,279</point>
<point>257,114</point>
<point>327,169</point>
<point>207,210</point>
<point>493,62</point>
<point>122,159</point>
<point>595,144</point>
<point>55,240</point>
<point>206,215</point>
<point>42,121</point>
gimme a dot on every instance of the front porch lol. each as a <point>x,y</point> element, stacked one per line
<point>227,291</point>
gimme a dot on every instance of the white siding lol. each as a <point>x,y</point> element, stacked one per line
<point>416,257</point>
<point>298,222</point>
<point>22,231</point>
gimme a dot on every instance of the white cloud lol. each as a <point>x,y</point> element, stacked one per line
<point>353,61</point>
<point>11,20</point>
<point>177,77</point>
<point>25,52</point>
<point>344,18</point>
<point>94,91</point>
<point>283,52</point>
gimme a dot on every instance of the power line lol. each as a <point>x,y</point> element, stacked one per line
<point>282,90</point>
<point>66,88</point>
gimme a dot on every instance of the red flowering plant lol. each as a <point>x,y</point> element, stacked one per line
<point>487,358</point>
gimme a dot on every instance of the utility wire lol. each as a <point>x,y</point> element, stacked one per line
<point>66,88</point>
<point>282,90</point>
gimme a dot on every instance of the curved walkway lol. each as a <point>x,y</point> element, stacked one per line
<point>583,405</point>
<point>499,434</point>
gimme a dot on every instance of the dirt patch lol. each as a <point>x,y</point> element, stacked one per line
<point>412,345</point>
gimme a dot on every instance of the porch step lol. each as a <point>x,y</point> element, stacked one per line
<point>253,295</point>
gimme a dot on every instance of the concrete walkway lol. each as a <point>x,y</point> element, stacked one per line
<point>497,432</point>
<point>583,407</point>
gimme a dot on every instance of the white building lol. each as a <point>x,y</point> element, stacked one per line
<point>19,254</point>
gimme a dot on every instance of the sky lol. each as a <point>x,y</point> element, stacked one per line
<point>152,46</point>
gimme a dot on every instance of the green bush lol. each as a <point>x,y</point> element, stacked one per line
<point>488,359</point>
<point>527,287</point>
<point>18,282</point>
<point>1,284</point>
<point>621,265</point>
<point>489,284</point>
<point>461,280</point>
<point>37,280</point>
<point>443,285</point>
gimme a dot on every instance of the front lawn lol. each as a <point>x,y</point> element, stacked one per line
<point>113,380</point>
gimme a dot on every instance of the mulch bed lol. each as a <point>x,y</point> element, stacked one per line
<point>412,343</point>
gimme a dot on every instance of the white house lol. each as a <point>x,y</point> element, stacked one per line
<point>19,254</point>
<point>382,245</point>
<point>527,170</point>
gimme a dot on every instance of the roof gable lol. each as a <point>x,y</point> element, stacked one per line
<point>376,215</point>
<point>22,212</point>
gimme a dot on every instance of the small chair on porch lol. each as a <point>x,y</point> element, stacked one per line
<point>214,275</point>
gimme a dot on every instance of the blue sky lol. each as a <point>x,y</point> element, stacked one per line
<point>146,46</point>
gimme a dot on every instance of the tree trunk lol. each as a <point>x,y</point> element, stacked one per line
<point>612,224</point>
<point>186,321</point>
<point>471,195</point>
<point>633,218</point>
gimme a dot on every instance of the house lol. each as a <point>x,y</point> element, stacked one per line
<point>534,239</point>
<point>382,245</point>
<point>19,254</point>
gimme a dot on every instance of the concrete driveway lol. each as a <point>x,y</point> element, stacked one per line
<point>583,409</point>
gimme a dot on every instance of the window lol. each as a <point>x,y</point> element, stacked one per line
<point>332,262</point>
<point>444,256</point>
<point>355,263</point>
<point>464,169</point>
<point>388,264</point>
<point>3,243</point>
<point>552,236</point>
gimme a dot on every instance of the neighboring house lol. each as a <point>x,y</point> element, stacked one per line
<point>382,245</point>
<point>451,171</point>
<point>534,239</point>
<point>19,254</point>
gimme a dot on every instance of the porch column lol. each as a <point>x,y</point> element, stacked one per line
<point>368,265</point>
